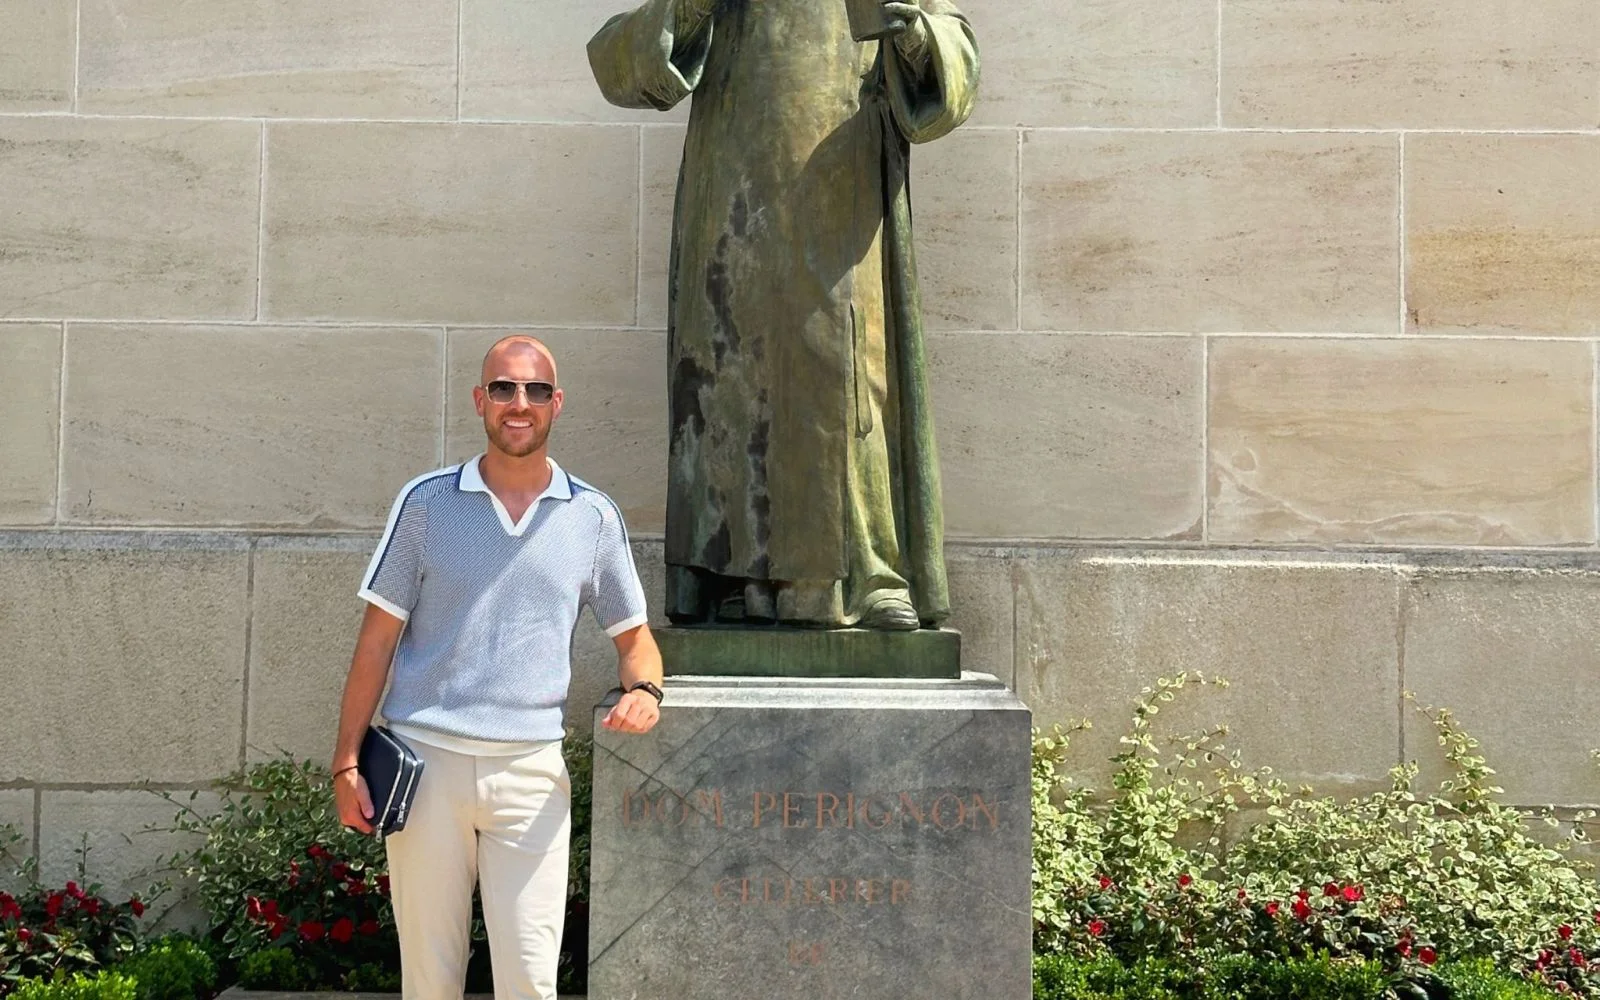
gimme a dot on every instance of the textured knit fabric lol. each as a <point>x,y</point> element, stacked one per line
<point>490,605</point>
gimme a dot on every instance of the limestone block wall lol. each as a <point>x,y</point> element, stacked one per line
<point>1263,341</point>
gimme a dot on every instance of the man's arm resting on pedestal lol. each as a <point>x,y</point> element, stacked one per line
<point>638,659</point>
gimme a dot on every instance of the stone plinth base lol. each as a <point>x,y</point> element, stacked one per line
<point>721,651</point>
<point>781,838</point>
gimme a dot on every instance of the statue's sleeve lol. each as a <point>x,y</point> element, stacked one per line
<point>932,95</point>
<point>652,57</point>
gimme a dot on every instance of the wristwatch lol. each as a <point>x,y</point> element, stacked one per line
<point>649,688</point>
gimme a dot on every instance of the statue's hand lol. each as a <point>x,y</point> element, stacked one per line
<point>909,31</point>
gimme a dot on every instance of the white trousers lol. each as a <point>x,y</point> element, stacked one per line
<point>504,823</point>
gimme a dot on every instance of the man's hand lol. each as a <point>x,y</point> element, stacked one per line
<point>909,31</point>
<point>634,712</point>
<point>354,801</point>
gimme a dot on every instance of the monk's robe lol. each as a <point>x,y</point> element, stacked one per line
<point>802,461</point>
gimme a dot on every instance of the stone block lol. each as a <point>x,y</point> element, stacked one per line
<point>1210,232</point>
<point>246,425</point>
<point>661,156</point>
<point>1502,234</point>
<point>1478,442</point>
<point>16,821</point>
<point>292,58</point>
<point>1117,63</point>
<point>36,56</point>
<point>612,432</point>
<point>964,194</point>
<point>1096,436</point>
<point>30,412</point>
<point>983,608</point>
<point>1309,648</point>
<point>794,836</point>
<point>1491,64</point>
<point>304,619</point>
<point>146,682</point>
<point>129,219</point>
<point>452,223</point>
<point>502,39</point>
<point>926,654</point>
<point>129,841</point>
<point>1513,654</point>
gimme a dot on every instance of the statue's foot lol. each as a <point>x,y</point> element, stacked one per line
<point>891,612</point>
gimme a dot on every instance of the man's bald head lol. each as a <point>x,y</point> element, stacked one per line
<point>519,426</point>
<point>521,351</point>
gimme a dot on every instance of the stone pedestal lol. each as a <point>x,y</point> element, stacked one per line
<point>814,838</point>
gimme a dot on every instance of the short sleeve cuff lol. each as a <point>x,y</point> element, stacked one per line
<point>627,624</point>
<point>373,598</point>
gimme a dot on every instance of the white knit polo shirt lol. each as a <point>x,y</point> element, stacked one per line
<point>490,605</point>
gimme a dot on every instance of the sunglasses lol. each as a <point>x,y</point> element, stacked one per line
<point>503,390</point>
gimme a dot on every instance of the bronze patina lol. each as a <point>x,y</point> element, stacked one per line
<point>803,484</point>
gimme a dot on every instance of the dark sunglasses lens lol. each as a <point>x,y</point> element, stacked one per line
<point>501,392</point>
<point>540,393</point>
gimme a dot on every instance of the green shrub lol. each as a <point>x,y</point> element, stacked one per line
<point>1240,977</point>
<point>372,978</point>
<point>1480,980</point>
<point>1236,977</point>
<point>100,986</point>
<point>276,969</point>
<point>172,969</point>
<point>1394,878</point>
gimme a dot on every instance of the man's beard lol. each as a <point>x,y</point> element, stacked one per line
<point>539,435</point>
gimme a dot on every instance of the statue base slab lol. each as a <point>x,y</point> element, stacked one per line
<point>816,838</point>
<point>742,651</point>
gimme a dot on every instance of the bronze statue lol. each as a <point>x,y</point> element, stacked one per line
<point>803,485</point>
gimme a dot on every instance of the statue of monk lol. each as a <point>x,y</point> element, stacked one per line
<point>803,484</point>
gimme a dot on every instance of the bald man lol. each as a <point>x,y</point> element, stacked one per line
<point>472,596</point>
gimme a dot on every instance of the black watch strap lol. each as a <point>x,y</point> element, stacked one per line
<point>651,689</point>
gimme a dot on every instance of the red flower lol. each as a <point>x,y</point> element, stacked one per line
<point>1184,880</point>
<point>91,906</point>
<point>339,870</point>
<point>368,927</point>
<point>1577,958</point>
<point>357,888</point>
<point>252,908</point>
<point>52,906</point>
<point>74,891</point>
<point>1272,908</point>
<point>1097,927</point>
<point>269,909</point>
<point>1404,947</point>
<point>1330,890</point>
<point>276,926</point>
<point>1427,956</point>
<point>1303,894</point>
<point>137,906</point>
<point>342,930</point>
<point>1353,894</point>
<point>10,909</point>
<point>383,884</point>
<point>1302,909</point>
<point>24,936</point>
<point>1242,895</point>
<point>316,851</point>
<point>1564,932</point>
<point>1106,883</point>
<point>1545,958</point>
<point>312,930</point>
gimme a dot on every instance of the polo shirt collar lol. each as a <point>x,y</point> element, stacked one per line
<point>470,480</point>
